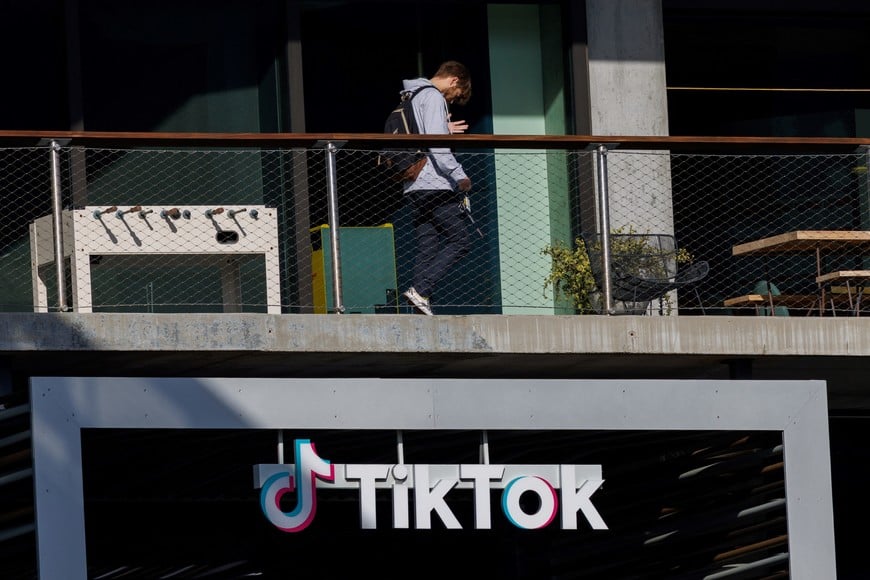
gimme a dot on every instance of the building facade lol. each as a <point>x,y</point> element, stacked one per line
<point>713,483</point>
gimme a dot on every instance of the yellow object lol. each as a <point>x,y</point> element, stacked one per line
<point>368,269</point>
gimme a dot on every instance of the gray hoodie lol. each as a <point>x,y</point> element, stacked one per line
<point>442,170</point>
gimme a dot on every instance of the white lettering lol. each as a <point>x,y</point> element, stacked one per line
<point>576,497</point>
<point>432,498</point>
<point>401,490</point>
<point>367,475</point>
<point>481,475</point>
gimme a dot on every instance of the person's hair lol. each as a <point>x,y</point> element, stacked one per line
<point>452,68</point>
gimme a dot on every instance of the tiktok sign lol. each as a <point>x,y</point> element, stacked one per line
<point>431,485</point>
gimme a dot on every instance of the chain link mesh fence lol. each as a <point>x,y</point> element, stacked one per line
<point>249,230</point>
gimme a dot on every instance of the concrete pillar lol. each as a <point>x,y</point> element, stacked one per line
<point>627,67</point>
<point>628,96</point>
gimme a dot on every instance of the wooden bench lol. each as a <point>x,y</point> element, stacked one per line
<point>808,301</point>
<point>836,298</point>
<point>844,275</point>
<point>855,280</point>
<point>745,300</point>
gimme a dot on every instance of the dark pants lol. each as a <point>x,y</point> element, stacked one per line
<point>442,236</point>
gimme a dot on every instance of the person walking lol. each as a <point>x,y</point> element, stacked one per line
<point>435,195</point>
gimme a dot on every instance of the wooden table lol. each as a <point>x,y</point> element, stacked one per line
<point>807,240</point>
<point>816,241</point>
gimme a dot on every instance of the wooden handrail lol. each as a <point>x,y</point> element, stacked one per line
<point>380,140</point>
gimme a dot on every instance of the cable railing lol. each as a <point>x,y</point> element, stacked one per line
<point>309,223</point>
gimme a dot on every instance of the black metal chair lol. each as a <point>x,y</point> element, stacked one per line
<point>643,268</point>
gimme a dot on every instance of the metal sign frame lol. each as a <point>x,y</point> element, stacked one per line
<point>63,406</point>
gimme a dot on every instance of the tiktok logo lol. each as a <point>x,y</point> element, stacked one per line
<point>309,467</point>
<point>431,485</point>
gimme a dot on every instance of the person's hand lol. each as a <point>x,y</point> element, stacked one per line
<point>464,185</point>
<point>456,126</point>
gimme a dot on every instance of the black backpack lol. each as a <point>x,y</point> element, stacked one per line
<point>403,164</point>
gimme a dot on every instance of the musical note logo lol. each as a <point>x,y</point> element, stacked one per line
<point>309,467</point>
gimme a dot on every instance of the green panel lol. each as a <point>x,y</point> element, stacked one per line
<point>368,269</point>
<point>515,53</point>
<point>525,42</point>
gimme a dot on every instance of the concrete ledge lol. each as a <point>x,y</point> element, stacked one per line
<point>381,333</point>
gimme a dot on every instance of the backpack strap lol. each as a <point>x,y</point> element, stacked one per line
<point>413,93</point>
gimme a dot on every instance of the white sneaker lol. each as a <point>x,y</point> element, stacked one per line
<point>420,303</point>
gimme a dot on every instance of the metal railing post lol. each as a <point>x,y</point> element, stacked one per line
<point>334,244</point>
<point>864,187</point>
<point>484,447</point>
<point>400,447</point>
<point>57,221</point>
<point>864,193</point>
<point>604,226</point>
